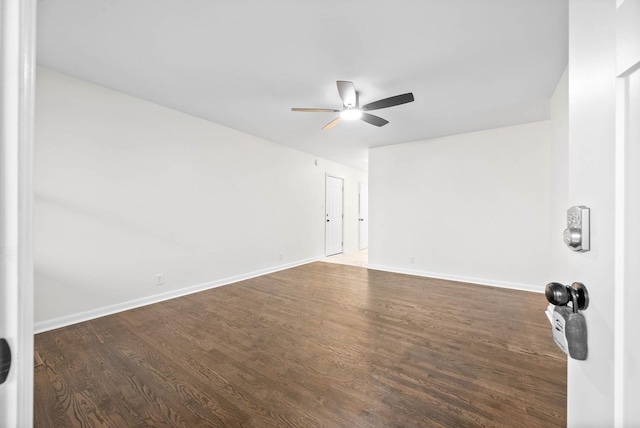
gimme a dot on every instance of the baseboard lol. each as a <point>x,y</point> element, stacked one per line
<point>41,327</point>
<point>537,288</point>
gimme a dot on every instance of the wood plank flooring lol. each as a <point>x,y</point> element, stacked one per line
<point>320,345</point>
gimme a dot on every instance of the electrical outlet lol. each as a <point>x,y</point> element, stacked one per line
<point>160,279</point>
<point>281,256</point>
<point>412,260</point>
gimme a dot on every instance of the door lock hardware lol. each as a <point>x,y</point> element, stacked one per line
<point>568,325</point>
<point>577,235</point>
<point>559,295</point>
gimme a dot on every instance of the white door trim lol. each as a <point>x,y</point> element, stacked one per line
<point>619,259</point>
<point>17,73</point>
<point>626,206</point>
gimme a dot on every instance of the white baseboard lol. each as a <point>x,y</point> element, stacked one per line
<point>537,288</point>
<point>65,321</point>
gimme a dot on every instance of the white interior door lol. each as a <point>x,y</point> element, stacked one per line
<point>604,154</point>
<point>17,42</point>
<point>334,202</point>
<point>363,206</point>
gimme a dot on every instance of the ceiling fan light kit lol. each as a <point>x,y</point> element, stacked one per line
<point>351,114</point>
<point>351,109</point>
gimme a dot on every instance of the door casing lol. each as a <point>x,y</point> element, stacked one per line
<point>17,87</point>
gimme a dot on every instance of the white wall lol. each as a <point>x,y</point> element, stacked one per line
<point>559,180</point>
<point>126,189</point>
<point>472,207</point>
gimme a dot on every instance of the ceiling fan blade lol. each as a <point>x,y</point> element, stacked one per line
<point>315,110</point>
<point>333,123</point>
<point>374,120</point>
<point>347,93</point>
<point>389,102</point>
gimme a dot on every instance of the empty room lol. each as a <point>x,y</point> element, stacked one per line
<point>320,214</point>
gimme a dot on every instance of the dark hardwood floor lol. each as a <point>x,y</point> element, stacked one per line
<point>320,345</point>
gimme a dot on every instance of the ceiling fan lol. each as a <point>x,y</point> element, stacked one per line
<point>351,109</point>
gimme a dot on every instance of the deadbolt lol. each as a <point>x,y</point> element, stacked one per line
<point>577,234</point>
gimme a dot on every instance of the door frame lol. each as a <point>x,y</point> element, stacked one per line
<point>627,229</point>
<point>17,83</point>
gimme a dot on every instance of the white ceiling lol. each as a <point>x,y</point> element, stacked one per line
<point>471,64</point>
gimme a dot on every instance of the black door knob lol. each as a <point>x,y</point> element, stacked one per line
<point>560,294</point>
<point>5,360</point>
<point>557,294</point>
